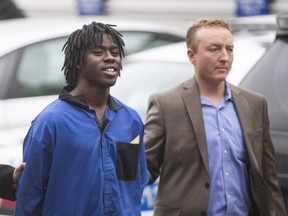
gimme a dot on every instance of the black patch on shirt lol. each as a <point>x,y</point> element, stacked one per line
<point>127,161</point>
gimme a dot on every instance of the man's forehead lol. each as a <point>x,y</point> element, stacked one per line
<point>214,34</point>
<point>103,45</point>
<point>213,30</point>
<point>100,41</point>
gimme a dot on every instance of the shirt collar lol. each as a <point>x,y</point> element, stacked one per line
<point>80,100</point>
<point>228,94</point>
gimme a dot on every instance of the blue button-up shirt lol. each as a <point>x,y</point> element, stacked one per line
<point>74,168</point>
<point>228,159</point>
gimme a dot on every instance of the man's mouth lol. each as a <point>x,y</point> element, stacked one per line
<point>110,70</point>
<point>222,68</point>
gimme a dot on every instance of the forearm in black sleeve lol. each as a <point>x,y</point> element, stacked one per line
<point>6,182</point>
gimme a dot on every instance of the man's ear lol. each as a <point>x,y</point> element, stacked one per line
<point>191,55</point>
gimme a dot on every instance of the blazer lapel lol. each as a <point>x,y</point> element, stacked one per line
<point>245,118</point>
<point>192,103</point>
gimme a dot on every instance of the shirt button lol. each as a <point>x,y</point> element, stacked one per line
<point>207,185</point>
<point>227,174</point>
<point>229,196</point>
<point>225,151</point>
<point>222,129</point>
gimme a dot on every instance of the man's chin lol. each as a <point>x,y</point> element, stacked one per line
<point>107,85</point>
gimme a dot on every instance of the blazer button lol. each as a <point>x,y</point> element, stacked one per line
<point>203,213</point>
<point>207,185</point>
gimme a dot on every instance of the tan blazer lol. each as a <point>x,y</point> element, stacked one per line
<point>176,147</point>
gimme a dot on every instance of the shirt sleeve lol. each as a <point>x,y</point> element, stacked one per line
<point>33,182</point>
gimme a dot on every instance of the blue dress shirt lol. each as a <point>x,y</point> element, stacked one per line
<point>228,159</point>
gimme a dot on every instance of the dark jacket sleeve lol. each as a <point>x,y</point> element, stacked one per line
<point>6,182</point>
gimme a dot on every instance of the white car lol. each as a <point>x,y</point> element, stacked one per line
<point>35,80</point>
<point>161,68</point>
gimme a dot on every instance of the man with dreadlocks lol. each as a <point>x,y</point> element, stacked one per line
<point>84,152</point>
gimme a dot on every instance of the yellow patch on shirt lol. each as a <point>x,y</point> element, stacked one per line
<point>136,140</point>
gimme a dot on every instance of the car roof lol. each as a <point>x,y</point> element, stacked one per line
<point>16,33</point>
<point>175,52</point>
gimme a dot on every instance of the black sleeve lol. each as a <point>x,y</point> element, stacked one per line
<point>6,182</point>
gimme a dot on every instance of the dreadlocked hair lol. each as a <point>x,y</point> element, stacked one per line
<point>80,40</point>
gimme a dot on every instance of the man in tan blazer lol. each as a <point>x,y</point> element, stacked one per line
<point>209,141</point>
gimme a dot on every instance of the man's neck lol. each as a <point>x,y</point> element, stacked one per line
<point>212,91</point>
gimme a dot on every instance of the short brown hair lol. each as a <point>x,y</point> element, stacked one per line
<point>191,39</point>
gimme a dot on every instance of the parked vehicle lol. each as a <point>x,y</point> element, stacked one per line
<point>30,70</point>
<point>159,69</point>
<point>269,77</point>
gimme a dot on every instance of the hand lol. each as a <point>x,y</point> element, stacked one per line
<point>16,174</point>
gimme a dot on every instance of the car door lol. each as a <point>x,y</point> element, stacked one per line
<point>269,77</point>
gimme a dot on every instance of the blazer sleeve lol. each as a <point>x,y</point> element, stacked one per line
<point>269,166</point>
<point>6,182</point>
<point>154,138</point>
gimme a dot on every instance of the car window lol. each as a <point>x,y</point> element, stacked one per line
<point>140,41</point>
<point>39,71</point>
<point>3,63</point>
<point>6,63</point>
<point>140,79</point>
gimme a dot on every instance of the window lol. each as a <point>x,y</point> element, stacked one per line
<point>139,41</point>
<point>39,71</point>
<point>6,68</point>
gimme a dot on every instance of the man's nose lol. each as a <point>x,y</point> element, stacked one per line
<point>225,55</point>
<point>108,56</point>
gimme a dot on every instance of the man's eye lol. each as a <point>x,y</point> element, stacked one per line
<point>98,52</point>
<point>115,52</point>
<point>213,49</point>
